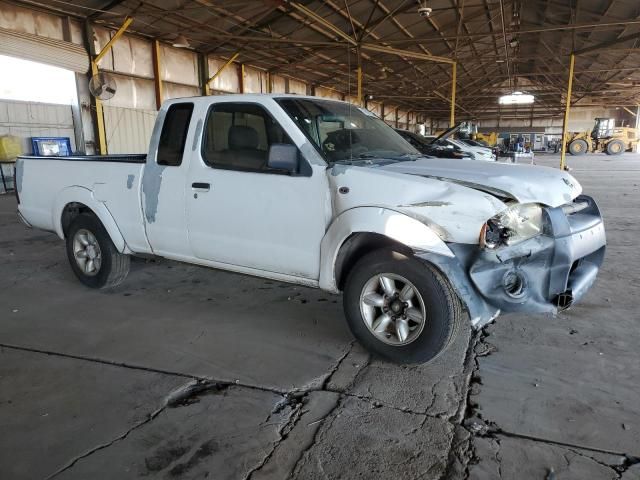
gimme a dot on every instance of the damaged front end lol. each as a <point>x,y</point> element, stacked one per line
<point>533,259</point>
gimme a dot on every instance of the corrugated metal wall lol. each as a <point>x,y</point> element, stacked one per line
<point>128,130</point>
<point>27,119</point>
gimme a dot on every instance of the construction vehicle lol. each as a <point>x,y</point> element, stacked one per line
<point>491,139</point>
<point>604,138</point>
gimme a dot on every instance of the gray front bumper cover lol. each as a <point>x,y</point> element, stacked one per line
<point>555,269</point>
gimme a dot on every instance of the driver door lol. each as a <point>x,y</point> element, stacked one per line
<point>241,212</point>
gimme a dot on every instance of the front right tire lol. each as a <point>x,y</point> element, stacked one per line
<point>401,308</point>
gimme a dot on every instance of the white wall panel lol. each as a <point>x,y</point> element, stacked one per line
<point>133,93</point>
<point>328,93</point>
<point>134,56</point>
<point>278,84</point>
<point>26,120</point>
<point>255,81</point>
<point>26,20</point>
<point>174,90</point>
<point>128,130</point>
<point>297,86</point>
<point>179,65</point>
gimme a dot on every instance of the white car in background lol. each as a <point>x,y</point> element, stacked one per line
<point>477,153</point>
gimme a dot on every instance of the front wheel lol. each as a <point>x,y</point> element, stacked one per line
<point>578,147</point>
<point>93,256</point>
<point>401,308</point>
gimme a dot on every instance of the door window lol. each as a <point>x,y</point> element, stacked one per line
<point>238,136</point>
<point>174,134</point>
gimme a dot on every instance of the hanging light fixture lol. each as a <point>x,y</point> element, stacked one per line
<point>516,98</point>
<point>181,42</point>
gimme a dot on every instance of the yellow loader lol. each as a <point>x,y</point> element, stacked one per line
<point>604,138</point>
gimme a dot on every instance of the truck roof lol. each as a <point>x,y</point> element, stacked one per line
<point>249,96</point>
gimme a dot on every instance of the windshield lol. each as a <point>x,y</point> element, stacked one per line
<point>343,132</point>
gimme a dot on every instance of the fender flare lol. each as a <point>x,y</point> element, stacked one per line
<point>392,224</point>
<point>77,194</point>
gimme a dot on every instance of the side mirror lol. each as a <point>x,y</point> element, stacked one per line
<point>283,156</point>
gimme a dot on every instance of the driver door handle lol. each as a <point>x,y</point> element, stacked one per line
<point>201,186</point>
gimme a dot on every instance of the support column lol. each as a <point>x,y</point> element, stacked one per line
<point>76,112</point>
<point>360,101</point>
<point>102,136</point>
<point>565,122</point>
<point>454,73</point>
<point>157,77</point>
<point>241,73</point>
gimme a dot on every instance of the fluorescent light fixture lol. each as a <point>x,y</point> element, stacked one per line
<point>516,98</point>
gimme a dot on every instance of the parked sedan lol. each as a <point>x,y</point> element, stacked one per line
<point>424,145</point>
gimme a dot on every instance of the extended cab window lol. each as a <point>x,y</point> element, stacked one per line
<point>174,134</point>
<point>238,136</point>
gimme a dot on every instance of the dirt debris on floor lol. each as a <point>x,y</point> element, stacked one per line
<point>185,372</point>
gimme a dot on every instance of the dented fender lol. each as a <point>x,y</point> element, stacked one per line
<point>77,194</point>
<point>390,223</point>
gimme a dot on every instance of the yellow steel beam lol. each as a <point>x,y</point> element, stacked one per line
<point>113,40</point>
<point>454,71</point>
<point>405,53</point>
<point>221,69</point>
<point>102,137</point>
<point>565,123</point>
<point>156,73</point>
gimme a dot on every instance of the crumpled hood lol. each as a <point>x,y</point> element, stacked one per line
<point>524,183</point>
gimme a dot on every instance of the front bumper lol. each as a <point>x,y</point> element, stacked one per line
<point>547,273</point>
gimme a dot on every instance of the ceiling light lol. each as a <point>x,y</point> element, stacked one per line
<point>500,60</point>
<point>513,43</point>
<point>181,42</point>
<point>516,98</point>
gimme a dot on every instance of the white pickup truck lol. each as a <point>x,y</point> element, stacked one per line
<point>324,194</point>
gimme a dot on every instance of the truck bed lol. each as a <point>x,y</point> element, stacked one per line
<point>47,184</point>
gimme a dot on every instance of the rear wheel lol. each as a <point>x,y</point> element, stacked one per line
<point>92,255</point>
<point>400,308</point>
<point>615,147</point>
<point>578,147</point>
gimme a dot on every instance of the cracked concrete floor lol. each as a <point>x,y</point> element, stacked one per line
<point>185,372</point>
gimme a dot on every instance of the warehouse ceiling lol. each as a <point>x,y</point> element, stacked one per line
<point>500,45</point>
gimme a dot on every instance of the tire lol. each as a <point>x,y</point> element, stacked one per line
<point>615,147</point>
<point>578,147</point>
<point>87,240</point>
<point>433,297</point>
